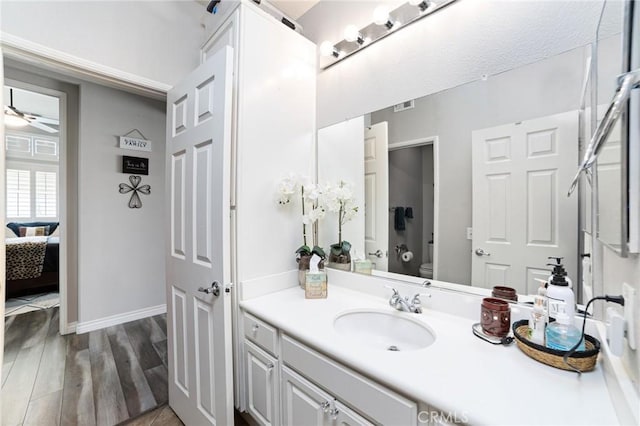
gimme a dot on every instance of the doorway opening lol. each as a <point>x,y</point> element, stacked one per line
<point>34,173</point>
<point>412,208</point>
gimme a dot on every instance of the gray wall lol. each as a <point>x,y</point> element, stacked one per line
<point>405,190</point>
<point>547,87</point>
<point>121,264</point>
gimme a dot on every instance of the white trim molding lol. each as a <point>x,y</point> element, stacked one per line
<point>84,327</point>
<point>51,59</point>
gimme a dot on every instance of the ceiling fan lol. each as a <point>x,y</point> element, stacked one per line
<point>14,117</point>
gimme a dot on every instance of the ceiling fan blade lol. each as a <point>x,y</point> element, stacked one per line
<point>10,109</point>
<point>44,120</point>
<point>37,125</point>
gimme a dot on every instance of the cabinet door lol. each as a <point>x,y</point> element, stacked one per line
<point>343,416</point>
<point>303,403</point>
<point>262,385</point>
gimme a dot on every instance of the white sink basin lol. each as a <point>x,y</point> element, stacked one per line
<point>383,330</point>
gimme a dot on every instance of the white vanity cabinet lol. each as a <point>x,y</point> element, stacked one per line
<point>303,403</point>
<point>262,373</point>
<point>291,384</point>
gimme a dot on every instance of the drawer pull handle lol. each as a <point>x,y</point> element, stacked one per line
<point>255,328</point>
<point>334,413</point>
<point>270,367</point>
<point>325,406</point>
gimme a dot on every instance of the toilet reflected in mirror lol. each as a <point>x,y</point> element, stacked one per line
<point>426,269</point>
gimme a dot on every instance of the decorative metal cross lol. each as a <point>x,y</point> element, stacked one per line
<point>134,202</point>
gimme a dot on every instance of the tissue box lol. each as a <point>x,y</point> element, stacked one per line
<point>315,286</point>
<point>362,266</point>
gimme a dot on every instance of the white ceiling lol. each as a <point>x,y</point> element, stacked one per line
<point>294,8</point>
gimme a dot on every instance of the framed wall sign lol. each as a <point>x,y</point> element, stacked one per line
<point>135,165</point>
<point>127,142</point>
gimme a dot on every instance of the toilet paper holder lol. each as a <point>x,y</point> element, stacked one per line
<point>401,248</point>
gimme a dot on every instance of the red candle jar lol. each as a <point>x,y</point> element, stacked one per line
<point>507,293</point>
<point>495,317</point>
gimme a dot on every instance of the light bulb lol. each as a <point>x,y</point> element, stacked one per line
<point>328,49</point>
<point>381,16</point>
<point>14,121</point>
<point>351,33</point>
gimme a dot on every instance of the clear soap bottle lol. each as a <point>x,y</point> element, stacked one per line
<point>562,334</point>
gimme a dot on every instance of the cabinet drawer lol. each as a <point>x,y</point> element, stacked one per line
<point>365,396</point>
<point>260,333</point>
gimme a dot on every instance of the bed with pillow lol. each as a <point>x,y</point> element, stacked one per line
<point>32,260</point>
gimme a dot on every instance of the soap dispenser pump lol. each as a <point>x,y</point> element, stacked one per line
<point>559,291</point>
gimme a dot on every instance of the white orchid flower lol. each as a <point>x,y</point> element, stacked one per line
<point>287,188</point>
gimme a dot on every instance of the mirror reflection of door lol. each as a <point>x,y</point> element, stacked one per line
<point>521,214</point>
<point>376,190</point>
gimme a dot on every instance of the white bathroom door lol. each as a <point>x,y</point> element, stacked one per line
<point>198,264</point>
<point>521,212</point>
<point>376,190</point>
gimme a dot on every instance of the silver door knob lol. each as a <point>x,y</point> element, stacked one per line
<point>481,252</point>
<point>214,289</point>
<point>378,253</point>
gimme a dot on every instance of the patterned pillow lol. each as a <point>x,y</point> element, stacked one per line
<point>34,231</point>
<point>15,226</point>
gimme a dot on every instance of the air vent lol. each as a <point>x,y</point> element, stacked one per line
<point>404,106</point>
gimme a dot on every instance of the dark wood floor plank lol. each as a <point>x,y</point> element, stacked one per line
<point>50,376</point>
<point>139,332</point>
<point>44,411</point>
<point>167,418</point>
<point>90,379</point>
<point>110,405</point>
<point>38,327</point>
<point>135,387</point>
<point>157,333</point>
<point>157,378</point>
<point>54,325</point>
<point>161,320</point>
<point>8,321</point>
<point>161,350</point>
<point>77,396</point>
<point>145,419</point>
<point>77,343</point>
<point>15,336</point>
<point>17,389</point>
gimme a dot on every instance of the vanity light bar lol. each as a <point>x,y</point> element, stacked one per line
<point>355,40</point>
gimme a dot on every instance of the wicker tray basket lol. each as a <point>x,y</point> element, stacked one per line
<point>582,360</point>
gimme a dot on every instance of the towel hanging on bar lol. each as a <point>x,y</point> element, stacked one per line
<point>398,219</point>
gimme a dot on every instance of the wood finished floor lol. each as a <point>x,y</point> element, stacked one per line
<point>104,377</point>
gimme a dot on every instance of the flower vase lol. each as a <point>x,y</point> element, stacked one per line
<point>341,261</point>
<point>303,268</point>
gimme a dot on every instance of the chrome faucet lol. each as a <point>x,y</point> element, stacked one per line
<point>403,304</point>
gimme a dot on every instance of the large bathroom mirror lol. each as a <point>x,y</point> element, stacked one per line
<point>612,177</point>
<point>469,185</point>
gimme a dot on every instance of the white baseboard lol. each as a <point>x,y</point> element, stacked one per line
<point>84,327</point>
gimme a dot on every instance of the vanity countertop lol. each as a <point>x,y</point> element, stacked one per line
<point>459,373</point>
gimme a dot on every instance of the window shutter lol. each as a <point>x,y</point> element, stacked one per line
<point>46,194</point>
<point>18,193</point>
